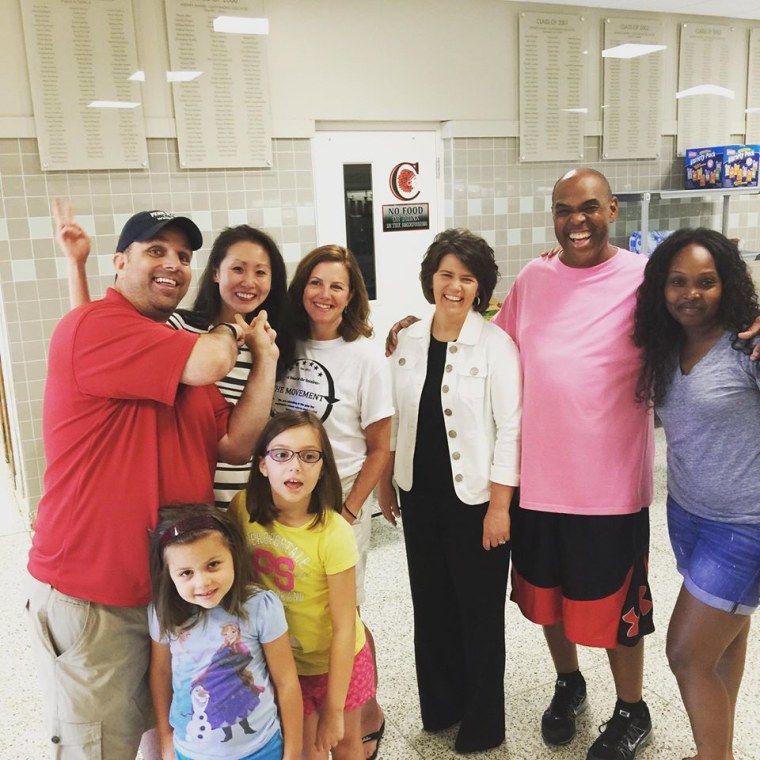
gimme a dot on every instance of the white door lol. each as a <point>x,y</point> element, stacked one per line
<point>357,177</point>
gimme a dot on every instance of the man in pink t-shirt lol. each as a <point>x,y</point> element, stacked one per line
<point>580,538</point>
<point>131,421</point>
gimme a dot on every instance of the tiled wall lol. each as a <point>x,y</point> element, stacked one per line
<point>486,189</point>
<point>490,191</point>
<point>32,273</point>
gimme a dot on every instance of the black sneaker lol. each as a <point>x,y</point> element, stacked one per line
<point>622,736</point>
<point>569,701</point>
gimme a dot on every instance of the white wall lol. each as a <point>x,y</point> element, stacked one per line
<point>376,61</point>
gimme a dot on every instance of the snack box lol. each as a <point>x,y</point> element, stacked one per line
<point>704,167</point>
<point>740,165</point>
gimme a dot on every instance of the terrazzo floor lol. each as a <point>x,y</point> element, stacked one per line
<point>529,678</point>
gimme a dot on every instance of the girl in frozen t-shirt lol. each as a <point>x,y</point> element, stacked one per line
<point>220,646</point>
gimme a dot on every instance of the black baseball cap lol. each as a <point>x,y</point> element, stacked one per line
<point>146,224</point>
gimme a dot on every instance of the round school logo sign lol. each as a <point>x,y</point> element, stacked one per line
<point>403,181</point>
<point>307,387</point>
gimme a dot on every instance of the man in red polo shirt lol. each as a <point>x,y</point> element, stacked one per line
<point>131,421</point>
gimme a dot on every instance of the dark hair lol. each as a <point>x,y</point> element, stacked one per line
<point>208,301</point>
<point>657,333</point>
<point>172,611</point>
<point>473,252</point>
<point>328,493</point>
<point>355,322</point>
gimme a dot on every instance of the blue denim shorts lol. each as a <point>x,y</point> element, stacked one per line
<point>720,562</point>
<point>272,750</point>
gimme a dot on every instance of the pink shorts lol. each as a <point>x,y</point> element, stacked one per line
<point>361,687</point>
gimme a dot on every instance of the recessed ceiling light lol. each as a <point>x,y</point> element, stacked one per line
<point>707,89</point>
<point>182,76</point>
<point>112,104</point>
<point>241,25</point>
<point>631,50</point>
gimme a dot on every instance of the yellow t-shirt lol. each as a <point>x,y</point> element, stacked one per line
<point>295,563</point>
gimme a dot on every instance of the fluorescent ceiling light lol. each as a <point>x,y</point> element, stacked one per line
<point>138,76</point>
<point>241,25</point>
<point>706,89</point>
<point>112,104</point>
<point>182,76</point>
<point>631,50</point>
<point>574,110</point>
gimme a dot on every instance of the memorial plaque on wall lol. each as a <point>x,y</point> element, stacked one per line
<point>79,53</point>
<point>632,109</point>
<point>552,105</point>
<point>753,88</point>
<point>222,107</point>
<point>704,60</point>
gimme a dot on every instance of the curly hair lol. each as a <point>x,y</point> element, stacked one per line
<point>657,333</point>
<point>473,252</point>
<point>355,322</point>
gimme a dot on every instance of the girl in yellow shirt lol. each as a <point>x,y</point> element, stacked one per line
<point>304,551</point>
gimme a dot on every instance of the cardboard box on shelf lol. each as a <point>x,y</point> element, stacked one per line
<point>740,164</point>
<point>703,167</point>
<point>719,166</point>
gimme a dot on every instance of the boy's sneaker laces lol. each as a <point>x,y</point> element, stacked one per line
<point>622,736</point>
<point>558,721</point>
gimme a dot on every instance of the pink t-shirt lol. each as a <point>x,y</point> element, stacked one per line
<point>587,446</point>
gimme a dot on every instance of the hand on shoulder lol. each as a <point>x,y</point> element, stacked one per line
<point>752,331</point>
<point>391,340</point>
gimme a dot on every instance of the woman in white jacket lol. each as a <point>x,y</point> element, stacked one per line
<point>457,393</point>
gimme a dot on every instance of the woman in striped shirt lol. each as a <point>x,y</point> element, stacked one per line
<point>245,273</point>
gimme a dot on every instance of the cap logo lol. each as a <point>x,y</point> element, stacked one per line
<point>161,216</point>
<point>145,224</point>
